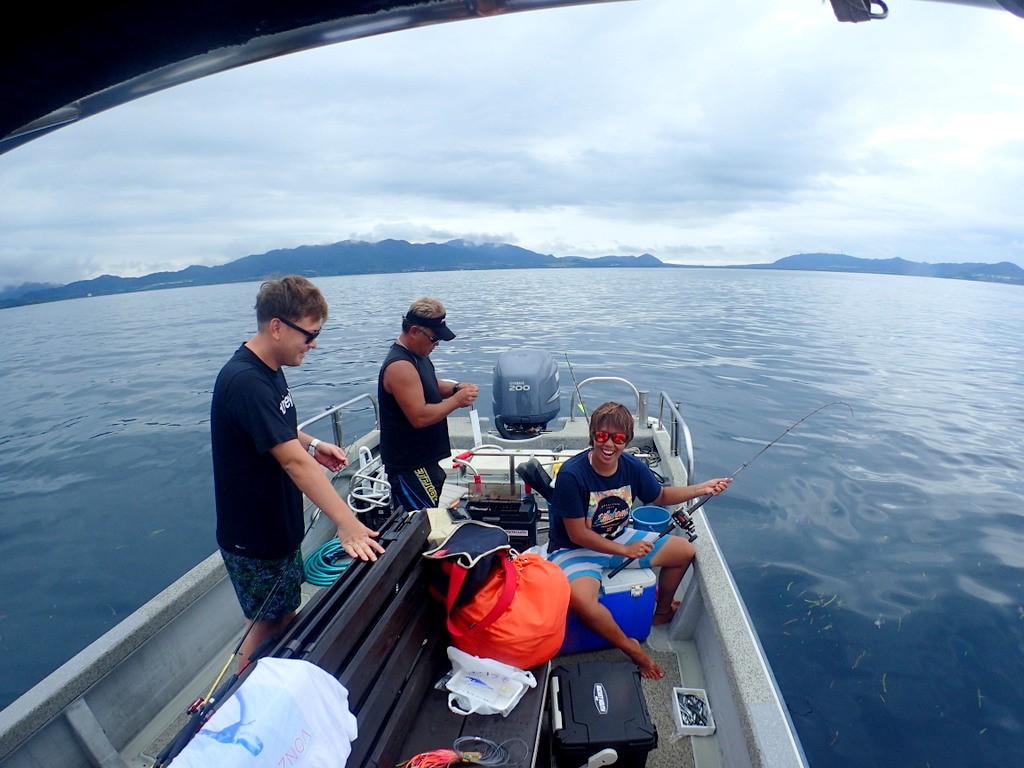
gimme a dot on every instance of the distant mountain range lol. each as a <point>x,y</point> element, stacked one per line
<point>1003,272</point>
<point>388,256</point>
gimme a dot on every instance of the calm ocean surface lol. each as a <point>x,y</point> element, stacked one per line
<point>880,553</point>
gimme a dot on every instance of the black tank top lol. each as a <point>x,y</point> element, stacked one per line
<point>403,446</point>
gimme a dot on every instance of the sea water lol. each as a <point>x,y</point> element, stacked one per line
<point>879,545</point>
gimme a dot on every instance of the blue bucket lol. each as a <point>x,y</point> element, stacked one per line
<point>651,518</point>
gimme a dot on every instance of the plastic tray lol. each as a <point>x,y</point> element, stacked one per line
<point>675,706</point>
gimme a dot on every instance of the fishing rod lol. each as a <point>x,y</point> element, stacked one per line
<point>583,406</point>
<point>200,710</point>
<point>683,517</point>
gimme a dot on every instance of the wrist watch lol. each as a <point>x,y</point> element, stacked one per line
<point>456,387</point>
<point>312,446</point>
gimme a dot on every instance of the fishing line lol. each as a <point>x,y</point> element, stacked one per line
<point>682,517</point>
<point>471,750</point>
<point>750,461</point>
<point>790,429</point>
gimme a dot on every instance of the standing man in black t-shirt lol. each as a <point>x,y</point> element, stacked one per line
<point>262,463</point>
<point>414,408</point>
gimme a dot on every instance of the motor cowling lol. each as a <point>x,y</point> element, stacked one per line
<point>525,393</point>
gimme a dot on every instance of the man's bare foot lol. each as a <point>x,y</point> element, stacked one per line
<point>665,616</point>
<point>648,667</point>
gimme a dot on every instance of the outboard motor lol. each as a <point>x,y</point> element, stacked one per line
<point>525,393</point>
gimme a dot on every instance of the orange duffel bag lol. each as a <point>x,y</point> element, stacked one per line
<point>517,615</point>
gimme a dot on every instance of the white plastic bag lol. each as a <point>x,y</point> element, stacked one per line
<point>287,712</point>
<point>484,686</point>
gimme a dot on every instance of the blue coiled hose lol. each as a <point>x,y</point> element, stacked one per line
<point>326,563</point>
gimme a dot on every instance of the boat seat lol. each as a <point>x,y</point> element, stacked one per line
<point>534,475</point>
<point>378,631</point>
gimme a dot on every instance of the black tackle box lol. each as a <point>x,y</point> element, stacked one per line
<point>596,706</point>
<point>518,516</point>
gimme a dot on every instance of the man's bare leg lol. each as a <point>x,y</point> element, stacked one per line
<point>584,593</point>
<point>259,632</point>
<point>673,558</point>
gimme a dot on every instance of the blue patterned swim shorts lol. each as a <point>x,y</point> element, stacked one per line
<point>266,589</point>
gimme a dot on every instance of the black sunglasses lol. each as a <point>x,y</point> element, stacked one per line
<point>619,438</point>
<point>431,339</point>
<point>310,335</point>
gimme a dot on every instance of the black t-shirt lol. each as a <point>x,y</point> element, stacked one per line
<point>403,446</point>
<point>259,508</point>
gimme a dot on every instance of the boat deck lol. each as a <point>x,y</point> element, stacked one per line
<point>679,658</point>
<point>130,687</point>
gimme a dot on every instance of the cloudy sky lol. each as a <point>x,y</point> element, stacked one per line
<point>704,132</point>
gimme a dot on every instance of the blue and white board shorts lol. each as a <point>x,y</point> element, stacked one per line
<point>586,562</point>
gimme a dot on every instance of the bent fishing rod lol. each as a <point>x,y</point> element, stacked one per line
<point>683,517</point>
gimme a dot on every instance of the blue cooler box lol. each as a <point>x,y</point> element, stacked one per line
<point>629,595</point>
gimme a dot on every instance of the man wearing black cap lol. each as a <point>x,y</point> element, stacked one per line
<point>414,408</point>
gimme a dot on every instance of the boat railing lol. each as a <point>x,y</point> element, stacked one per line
<point>639,398</point>
<point>678,431</point>
<point>471,462</point>
<point>336,414</point>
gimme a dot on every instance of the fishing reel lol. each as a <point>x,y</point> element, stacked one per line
<point>685,523</point>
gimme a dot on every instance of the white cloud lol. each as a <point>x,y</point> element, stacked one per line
<point>703,132</point>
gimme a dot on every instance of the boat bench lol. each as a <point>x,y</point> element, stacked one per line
<point>382,635</point>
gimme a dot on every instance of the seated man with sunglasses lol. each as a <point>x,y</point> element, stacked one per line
<point>414,407</point>
<point>589,513</point>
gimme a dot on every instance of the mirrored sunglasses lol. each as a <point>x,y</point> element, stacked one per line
<point>619,438</point>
